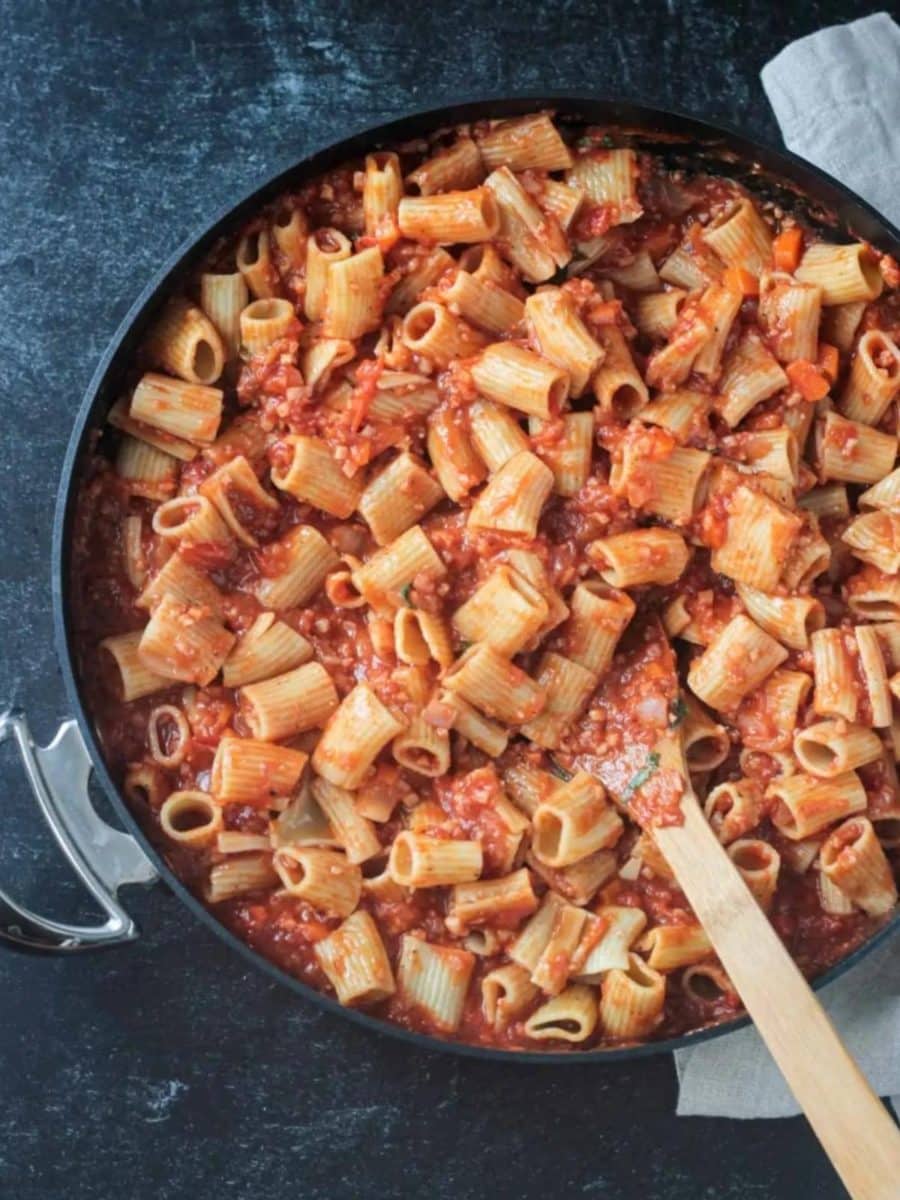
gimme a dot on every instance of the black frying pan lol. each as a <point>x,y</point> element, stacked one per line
<point>104,858</point>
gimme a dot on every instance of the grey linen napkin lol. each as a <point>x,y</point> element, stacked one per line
<point>735,1076</point>
<point>836,95</point>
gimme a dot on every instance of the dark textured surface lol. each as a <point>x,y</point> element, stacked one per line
<point>167,1068</point>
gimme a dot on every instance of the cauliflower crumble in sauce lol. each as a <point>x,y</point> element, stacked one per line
<point>266,401</point>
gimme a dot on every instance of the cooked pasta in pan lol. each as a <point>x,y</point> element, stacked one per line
<point>438,494</point>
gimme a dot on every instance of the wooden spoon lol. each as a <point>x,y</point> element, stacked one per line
<point>855,1129</point>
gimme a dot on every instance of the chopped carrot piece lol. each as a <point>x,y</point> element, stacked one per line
<point>606,313</point>
<point>609,894</point>
<point>385,237</point>
<point>787,249</point>
<point>313,931</point>
<point>658,242</point>
<point>809,379</point>
<point>364,393</point>
<point>829,360</point>
<point>738,279</point>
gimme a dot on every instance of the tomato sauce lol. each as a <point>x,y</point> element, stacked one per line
<point>635,705</point>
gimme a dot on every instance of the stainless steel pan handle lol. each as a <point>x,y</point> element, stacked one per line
<point>103,858</point>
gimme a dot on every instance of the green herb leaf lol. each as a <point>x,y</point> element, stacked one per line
<point>640,778</point>
<point>584,143</point>
<point>560,772</point>
<point>607,141</point>
<point>404,592</point>
<point>678,710</point>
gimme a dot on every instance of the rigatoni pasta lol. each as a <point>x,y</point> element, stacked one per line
<point>434,334</point>
<point>599,616</point>
<point>805,805</point>
<point>264,322</point>
<point>532,240</point>
<point>853,860</point>
<point>506,612</point>
<point>631,999</point>
<point>567,687</point>
<point>450,217</point>
<point>186,411</point>
<point>846,274</point>
<point>298,568</point>
<point>434,980</point>
<point>609,177</point>
<point>568,450</point>
<point>418,861</point>
<point>268,648</point>
<point>353,737</point>
<point>324,248</point>
<point>640,557</point>
<point>497,436</point>
<point>563,337</point>
<point>458,166</point>
<point>740,237</point>
<point>287,704</point>
<point>670,947</point>
<point>525,142</point>
<point>223,297</point>
<point>758,864</point>
<point>313,475</point>
<point>758,537</point>
<point>618,385</point>
<point>240,498</point>
<point>852,452</point>
<point>790,313</point>
<point>145,470</point>
<point>251,772</point>
<point>574,822</point>
<point>397,498</point>
<point>510,374</point>
<point>191,818</point>
<point>136,679</point>
<point>514,496</point>
<point>735,663</point>
<point>324,878</point>
<point>830,748</point>
<point>750,374</point>
<point>495,685</point>
<point>185,342</point>
<point>423,491</point>
<point>483,303</point>
<point>184,641</point>
<point>356,962</point>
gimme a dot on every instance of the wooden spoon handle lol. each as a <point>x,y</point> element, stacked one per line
<point>855,1129</point>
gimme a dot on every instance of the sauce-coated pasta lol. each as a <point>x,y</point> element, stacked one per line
<point>424,490</point>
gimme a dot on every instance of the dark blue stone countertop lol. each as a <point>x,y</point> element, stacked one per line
<point>170,1069</point>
